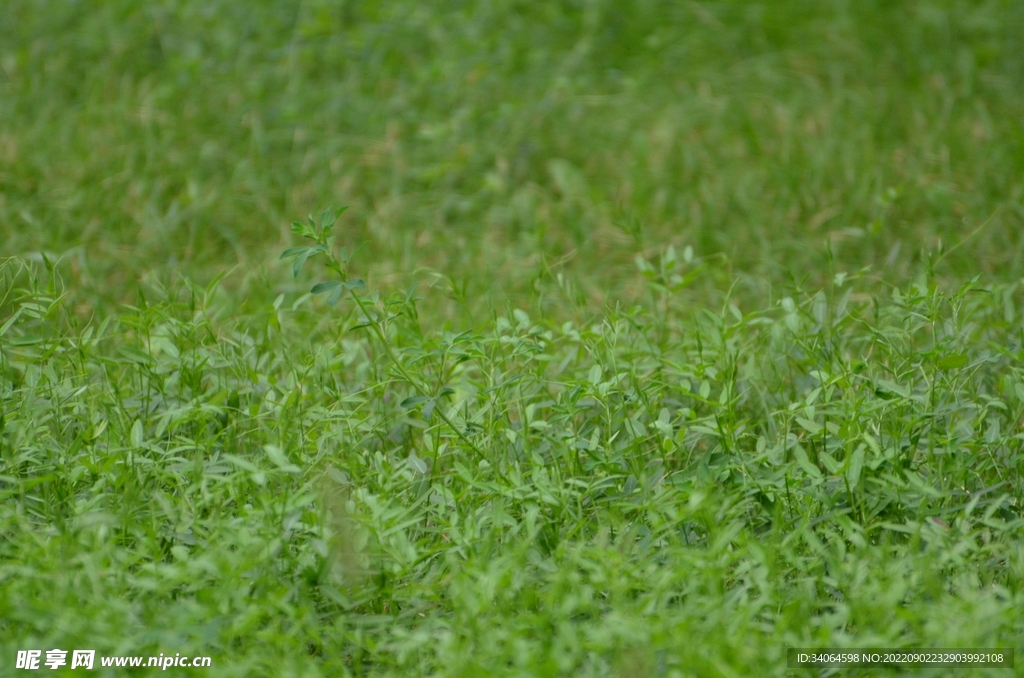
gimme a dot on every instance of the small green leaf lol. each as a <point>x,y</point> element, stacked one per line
<point>887,389</point>
<point>300,261</point>
<point>812,427</point>
<point>952,361</point>
<point>10,321</point>
<point>277,456</point>
<point>325,286</point>
<point>831,464</point>
<point>355,284</point>
<point>292,252</point>
<point>805,463</point>
<point>137,433</point>
<point>856,464</point>
<point>413,401</point>
<point>335,295</point>
<point>705,389</point>
<point>417,464</point>
<point>327,219</point>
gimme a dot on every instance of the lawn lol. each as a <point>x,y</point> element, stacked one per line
<point>567,338</point>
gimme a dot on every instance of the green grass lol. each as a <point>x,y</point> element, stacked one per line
<point>656,338</point>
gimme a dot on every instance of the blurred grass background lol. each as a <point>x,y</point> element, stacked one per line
<point>496,142</point>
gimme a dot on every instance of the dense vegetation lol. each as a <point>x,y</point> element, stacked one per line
<point>656,337</point>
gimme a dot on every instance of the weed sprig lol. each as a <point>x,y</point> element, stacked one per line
<point>373,317</point>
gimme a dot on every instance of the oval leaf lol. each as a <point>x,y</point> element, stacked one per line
<point>952,362</point>
<point>325,286</point>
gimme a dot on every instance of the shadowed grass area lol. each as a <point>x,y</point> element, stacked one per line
<point>657,337</point>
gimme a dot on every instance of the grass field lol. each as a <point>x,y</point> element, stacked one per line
<point>656,337</point>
